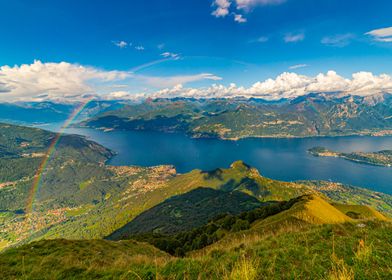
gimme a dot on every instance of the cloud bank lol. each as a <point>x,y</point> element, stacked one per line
<point>65,81</point>
<point>71,82</point>
<point>50,80</point>
<point>287,85</point>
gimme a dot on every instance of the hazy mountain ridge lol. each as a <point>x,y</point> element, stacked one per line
<point>51,112</point>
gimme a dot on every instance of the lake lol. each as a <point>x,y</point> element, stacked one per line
<point>281,159</point>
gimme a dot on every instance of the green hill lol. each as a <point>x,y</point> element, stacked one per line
<point>346,250</point>
<point>311,209</point>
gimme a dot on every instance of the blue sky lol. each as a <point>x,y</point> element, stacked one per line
<point>302,36</point>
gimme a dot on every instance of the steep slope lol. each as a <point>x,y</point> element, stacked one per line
<point>187,211</point>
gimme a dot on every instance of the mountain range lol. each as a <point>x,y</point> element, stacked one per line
<point>306,116</point>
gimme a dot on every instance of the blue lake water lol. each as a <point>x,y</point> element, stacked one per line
<point>282,159</point>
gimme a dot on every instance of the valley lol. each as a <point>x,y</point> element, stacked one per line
<point>83,204</point>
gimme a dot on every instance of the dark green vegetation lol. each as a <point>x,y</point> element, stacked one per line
<point>312,115</point>
<point>199,237</point>
<point>202,204</point>
<point>381,158</point>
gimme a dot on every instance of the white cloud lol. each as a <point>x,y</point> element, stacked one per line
<point>297,66</point>
<point>248,4</point>
<point>170,55</point>
<point>222,8</point>
<point>66,81</point>
<point>52,80</point>
<point>121,44</point>
<point>161,46</point>
<point>239,18</point>
<point>381,35</point>
<point>139,48</point>
<point>288,85</point>
<point>293,38</point>
<point>340,40</point>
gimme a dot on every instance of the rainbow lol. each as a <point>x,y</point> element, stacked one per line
<point>52,147</point>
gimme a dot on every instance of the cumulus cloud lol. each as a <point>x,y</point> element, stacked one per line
<point>287,85</point>
<point>4,88</point>
<point>381,35</point>
<point>66,81</point>
<point>340,40</point>
<point>222,7</point>
<point>293,38</point>
<point>52,80</point>
<point>139,48</point>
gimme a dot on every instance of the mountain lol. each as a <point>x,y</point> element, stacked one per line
<point>311,115</point>
<point>50,112</point>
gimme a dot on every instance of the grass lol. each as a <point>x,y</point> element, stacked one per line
<point>312,210</point>
<point>359,211</point>
<point>341,251</point>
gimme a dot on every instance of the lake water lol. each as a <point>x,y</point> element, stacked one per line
<point>282,159</point>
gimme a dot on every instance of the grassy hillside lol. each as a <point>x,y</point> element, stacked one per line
<point>87,259</point>
<point>298,212</point>
<point>340,251</point>
<point>312,115</point>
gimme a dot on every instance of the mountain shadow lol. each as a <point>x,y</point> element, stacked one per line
<point>187,211</point>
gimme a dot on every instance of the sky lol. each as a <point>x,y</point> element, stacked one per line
<point>65,50</point>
